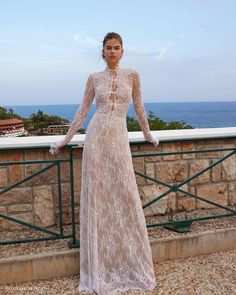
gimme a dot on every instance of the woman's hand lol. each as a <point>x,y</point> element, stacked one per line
<point>155,142</point>
<point>54,148</point>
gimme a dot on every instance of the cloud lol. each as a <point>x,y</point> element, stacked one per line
<point>49,35</point>
<point>178,33</point>
<point>162,52</point>
<point>158,54</point>
<point>7,42</point>
<point>180,15</point>
<point>134,51</point>
<point>206,28</point>
<point>85,40</point>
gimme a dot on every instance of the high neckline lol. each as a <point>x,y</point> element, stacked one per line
<point>107,69</point>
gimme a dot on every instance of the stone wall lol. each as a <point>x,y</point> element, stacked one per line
<point>36,200</point>
<point>217,184</point>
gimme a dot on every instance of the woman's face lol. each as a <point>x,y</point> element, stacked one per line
<point>112,51</point>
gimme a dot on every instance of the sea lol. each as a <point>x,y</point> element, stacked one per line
<point>207,114</point>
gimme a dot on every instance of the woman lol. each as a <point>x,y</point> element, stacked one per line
<point>115,254</point>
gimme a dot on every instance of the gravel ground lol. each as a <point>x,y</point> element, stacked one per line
<point>154,233</point>
<point>200,275</point>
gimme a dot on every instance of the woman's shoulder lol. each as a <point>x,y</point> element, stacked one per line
<point>92,76</point>
<point>131,71</point>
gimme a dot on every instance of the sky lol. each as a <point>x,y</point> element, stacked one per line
<point>184,50</point>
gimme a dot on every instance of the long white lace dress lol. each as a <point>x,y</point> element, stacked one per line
<point>115,254</point>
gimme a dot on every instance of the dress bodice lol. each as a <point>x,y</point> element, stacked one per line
<point>113,90</point>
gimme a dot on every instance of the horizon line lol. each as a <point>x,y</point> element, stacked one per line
<point>16,105</point>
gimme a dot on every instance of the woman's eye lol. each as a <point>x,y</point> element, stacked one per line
<point>116,48</point>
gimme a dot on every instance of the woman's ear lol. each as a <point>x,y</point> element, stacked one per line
<point>122,53</point>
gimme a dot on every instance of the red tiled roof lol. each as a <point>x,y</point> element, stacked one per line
<point>10,121</point>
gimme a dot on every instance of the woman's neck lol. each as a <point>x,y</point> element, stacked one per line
<point>113,66</point>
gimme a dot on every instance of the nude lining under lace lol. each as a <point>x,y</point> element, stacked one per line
<point>115,253</point>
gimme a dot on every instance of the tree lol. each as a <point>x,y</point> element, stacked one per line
<point>8,114</point>
<point>155,124</point>
<point>10,111</point>
<point>41,120</point>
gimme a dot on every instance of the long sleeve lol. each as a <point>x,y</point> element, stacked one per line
<point>140,109</point>
<point>79,117</point>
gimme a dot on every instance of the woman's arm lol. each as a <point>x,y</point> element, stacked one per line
<point>79,117</point>
<point>140,110</point>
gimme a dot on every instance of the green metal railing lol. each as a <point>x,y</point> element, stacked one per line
<point>177,225</point>
<point>184,225</point>
<point>50,164</point>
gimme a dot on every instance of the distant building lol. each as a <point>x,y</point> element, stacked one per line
<point>12,128</point>
<point>56,129</point>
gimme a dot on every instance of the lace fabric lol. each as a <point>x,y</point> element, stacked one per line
<point>115,253</point>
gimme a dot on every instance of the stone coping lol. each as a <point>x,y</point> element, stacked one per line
<point>134,137</point>
<point>50,265</point>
